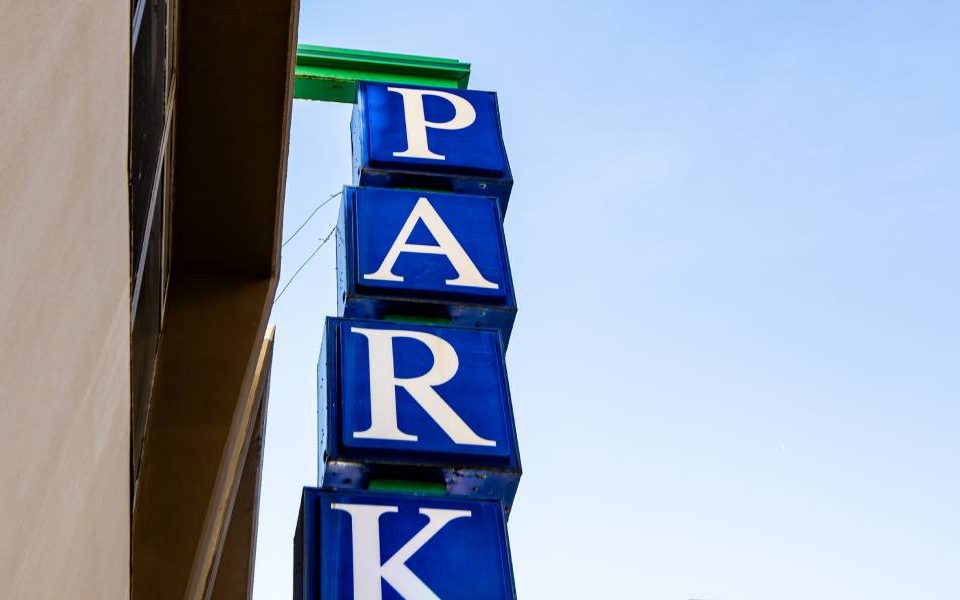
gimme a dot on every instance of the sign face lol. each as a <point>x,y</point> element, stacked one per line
<point>449,130</point>
<point>420,397</point>
<point>435,391</point>
<point>421,137</point>
<point>378,546</point>
<point>448,246</point>
<point>418,252</point>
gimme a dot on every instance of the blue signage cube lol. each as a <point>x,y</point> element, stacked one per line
<point>433,138</point>
<point>405,401</point>
<point>426,254</point>
<point>372,546</point>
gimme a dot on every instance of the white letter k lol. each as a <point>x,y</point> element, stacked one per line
<point>367,568</point>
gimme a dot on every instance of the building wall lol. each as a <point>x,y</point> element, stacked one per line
<point>64,299</point>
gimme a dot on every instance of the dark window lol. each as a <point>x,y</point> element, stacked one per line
<point>148,79</point>
<point>145,335</point>
<point>150,84</point>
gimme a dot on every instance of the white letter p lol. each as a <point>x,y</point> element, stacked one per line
<point>417,124</point>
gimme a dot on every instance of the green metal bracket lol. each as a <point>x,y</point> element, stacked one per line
<point>416,487</point>
<point>331,74</point>
<point>417,319</point>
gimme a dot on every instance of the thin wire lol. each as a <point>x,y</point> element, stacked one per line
<point>304,224</point>
<point>297,272</point>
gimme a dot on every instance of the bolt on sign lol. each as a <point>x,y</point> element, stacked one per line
<point>419,462</point>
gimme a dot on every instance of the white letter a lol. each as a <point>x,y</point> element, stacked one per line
<point>467,273</point>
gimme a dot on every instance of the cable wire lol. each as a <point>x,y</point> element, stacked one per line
<point>309,258</point>
<point>304,224</point>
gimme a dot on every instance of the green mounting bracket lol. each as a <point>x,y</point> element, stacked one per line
<point>331,74</point>
<point>416,487</point>
<point>417,319</point>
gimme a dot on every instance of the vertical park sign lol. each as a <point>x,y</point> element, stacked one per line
<point>419,463</point>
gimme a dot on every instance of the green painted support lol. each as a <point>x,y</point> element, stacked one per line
<point>418,319</point>
<point>331,74</point>
<point>416,487</point>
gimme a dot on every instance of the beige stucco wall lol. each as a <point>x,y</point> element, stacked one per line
<point>64,299</point>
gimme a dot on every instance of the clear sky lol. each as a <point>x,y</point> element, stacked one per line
<point>734,237</point>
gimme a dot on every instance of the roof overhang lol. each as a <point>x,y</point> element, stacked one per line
<point>194,515</point>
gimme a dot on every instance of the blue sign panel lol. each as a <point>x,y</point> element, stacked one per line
<point>380,546</point>
<point>424,253</point>
<point>424,401</point>
<point>408,136</point>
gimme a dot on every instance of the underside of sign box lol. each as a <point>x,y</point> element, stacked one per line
<point>416,180</point>
<point>490,469</point>
<point>463,481</point>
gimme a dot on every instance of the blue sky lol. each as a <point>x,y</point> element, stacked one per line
<point>734,237</point>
